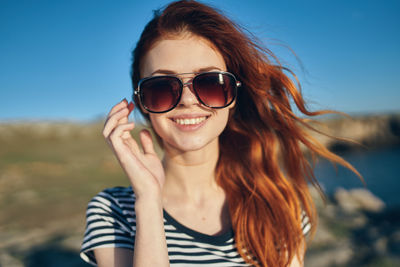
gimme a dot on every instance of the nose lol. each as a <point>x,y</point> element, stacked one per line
<point>188,97</point>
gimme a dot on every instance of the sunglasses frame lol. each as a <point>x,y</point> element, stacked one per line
<point>139,92</point>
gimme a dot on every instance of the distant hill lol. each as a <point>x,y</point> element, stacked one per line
<point>360,131</point>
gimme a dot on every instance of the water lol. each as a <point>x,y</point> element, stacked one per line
<point>380,169</point>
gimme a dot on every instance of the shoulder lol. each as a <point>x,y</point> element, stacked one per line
<point>113,197</point>
<point>305,223</point>
<point>113,207</point>
<point>110,221</point>
<point>116,193</point>
<point>117,203</point>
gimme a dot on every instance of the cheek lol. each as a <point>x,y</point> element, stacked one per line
<point>222,120</point>
<point>156,123</point>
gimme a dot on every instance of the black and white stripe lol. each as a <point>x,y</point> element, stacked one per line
<point>111,222</point>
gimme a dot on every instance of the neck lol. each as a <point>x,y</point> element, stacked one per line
<point>191,174</point>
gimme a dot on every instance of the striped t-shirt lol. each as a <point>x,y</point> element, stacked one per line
<point>111,222</point>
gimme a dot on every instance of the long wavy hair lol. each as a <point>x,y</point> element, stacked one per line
<point>262,166</point>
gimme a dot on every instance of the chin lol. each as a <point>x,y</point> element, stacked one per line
<point>191,144</point>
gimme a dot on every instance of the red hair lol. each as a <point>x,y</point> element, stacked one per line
<point>262,167</point>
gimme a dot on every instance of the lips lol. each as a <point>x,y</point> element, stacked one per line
<point>189,120</point>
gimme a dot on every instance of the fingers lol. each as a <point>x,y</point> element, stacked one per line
<point>125,119</point>
<point>130,106</point>
<point>117,107</point>
<point>119,115</point>
<point>117,132</point>
<point>118,143</point>
<point>127,150</point>
<point>131,143</point>
<point>147,142</point>
<point>113,121</point>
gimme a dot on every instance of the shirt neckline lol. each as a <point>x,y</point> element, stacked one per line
<point>219,239</point>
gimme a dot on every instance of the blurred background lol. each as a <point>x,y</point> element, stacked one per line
<point>64,64</point>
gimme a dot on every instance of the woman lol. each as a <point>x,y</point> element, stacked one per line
<point>231,189</point>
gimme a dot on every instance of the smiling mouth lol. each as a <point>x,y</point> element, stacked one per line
<point>190,121</point>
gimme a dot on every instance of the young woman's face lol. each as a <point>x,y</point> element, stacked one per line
<point>190,125</point>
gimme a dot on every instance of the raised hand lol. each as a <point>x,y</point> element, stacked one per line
<point>143,167</point>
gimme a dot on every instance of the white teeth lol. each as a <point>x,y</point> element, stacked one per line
<point>190,121</point>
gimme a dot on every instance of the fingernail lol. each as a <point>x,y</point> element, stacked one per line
<point>130,106</point>
<point>124,100</point>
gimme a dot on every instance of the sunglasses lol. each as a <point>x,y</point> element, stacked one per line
<point>159,94</point>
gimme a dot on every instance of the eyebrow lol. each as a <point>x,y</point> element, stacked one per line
<point>165,71</point>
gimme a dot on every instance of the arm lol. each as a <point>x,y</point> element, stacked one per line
<point>113,257</point>
<point>146,175</point>
<point>151,248</point>
<point>149,239</point>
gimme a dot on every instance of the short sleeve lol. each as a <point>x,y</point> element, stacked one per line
<point>305,223</point>
<point>106,226</point>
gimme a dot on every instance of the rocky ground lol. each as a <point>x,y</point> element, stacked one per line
<point>355,229</point>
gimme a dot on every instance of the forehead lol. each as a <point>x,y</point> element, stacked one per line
<point>180,55</point>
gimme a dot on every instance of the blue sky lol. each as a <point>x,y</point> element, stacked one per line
<point>70,60</point>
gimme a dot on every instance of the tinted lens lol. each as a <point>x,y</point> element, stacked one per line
<point>160,94</point>
<point>215,90</point>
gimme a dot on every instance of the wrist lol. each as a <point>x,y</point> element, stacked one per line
<point>143,204</point>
